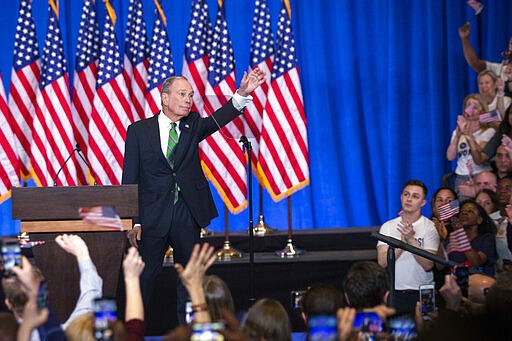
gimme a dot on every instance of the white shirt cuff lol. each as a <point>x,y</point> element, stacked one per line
<point>240,102</point>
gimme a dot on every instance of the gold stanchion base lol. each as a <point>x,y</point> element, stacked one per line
<point>261,229</point>
<point>227,252</point>
<point>289,250</point>
<point>169,256</point>
<point>205,233</point>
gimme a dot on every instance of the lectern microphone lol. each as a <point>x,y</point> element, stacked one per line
<point>62,166</point>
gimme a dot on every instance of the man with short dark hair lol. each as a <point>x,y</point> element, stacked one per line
<point>366,285</point>
<point>413,228</point>
<point>321,299</point>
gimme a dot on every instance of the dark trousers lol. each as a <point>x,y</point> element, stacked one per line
<point>183,234</point>
<point>405,301</point>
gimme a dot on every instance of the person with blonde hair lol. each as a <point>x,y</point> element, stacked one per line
<point>469,137</point>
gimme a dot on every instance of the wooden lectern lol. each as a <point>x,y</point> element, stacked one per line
<point>46,212</point>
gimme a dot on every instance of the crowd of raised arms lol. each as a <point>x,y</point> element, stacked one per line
<point>429,301</point>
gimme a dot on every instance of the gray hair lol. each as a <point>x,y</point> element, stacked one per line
<point>168,82</point>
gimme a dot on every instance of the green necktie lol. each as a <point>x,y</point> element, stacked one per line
<point>171,145</point>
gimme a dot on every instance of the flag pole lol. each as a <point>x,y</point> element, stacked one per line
<point>227,252</point>
<point>290,250</point>
<point>261,229</point>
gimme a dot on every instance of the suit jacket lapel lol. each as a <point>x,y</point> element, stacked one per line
<point>154,136</point>
<point>183,142</point>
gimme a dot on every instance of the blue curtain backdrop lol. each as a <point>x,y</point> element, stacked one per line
<point>382,81</point>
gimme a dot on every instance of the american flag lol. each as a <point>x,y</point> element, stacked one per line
<point>136,58</point>
<point>283,156</point>
<point>477,6</point>
<point>221,154</point>
<point>84,80</point>
<point>197,52</point>
<point>261,56</point>
<point>53,138</point>
<point>458,241</point>
<point>161,65</point>
<point>448,210</point>
<point>491,116</point>
<point>104,216</point>
<point>25,74</point>
<point>111,112</point>
<point>9,168</point>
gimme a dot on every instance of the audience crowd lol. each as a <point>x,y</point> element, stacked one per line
<point>470,229</point>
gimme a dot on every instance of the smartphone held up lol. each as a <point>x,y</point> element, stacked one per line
<point>11,257</point>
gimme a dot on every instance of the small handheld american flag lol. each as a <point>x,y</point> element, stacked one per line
<point>105,216</point>
<point>491,116</point>
<point>448,210</point>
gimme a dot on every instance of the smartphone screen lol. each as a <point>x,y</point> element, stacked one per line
<point>42,296</point>
<point>207,331</point>
<point>462,277</point>
<point>11,257</point>
<point>402,327</point>
<point>105,313</point>
<point>296,297</point>
<point>322,328</point>
<point>368,322</point>
<point>427,299</point>
<point>189,314</point>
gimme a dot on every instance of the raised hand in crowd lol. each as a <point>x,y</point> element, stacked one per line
<point>74,245</point>
<point>419,318</point>
<point>132,268</point>
<point>201,259</point>
<point>467,189</point>
<point>451,293</point>
<point>441,228</point>
<point>345,317</point>
<point>506,141</point>
<point>464,30</point>
<point>33,317</point>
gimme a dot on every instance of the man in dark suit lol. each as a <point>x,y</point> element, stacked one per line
<point>161,156</point>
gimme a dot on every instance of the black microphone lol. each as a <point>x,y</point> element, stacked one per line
<point>62,167</point>
<point>79,152</point>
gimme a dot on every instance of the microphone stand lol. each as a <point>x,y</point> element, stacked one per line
<point>63,165</point>
<point>246,146</point>
<point>79,152</point>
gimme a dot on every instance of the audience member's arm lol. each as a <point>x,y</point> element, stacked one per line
<point>407,231</point>
<point>451,151</point>
<point>476,258</point>
<point>476,148</point>
<point>345,317</point>
<point>469,53</point>
<point>507,143</point>
<point>32,316</point>
<point>451,293</point>
<point>192,275</point>
<point>133,266</point>
<point>91,283</point>
<point>233,331</point>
